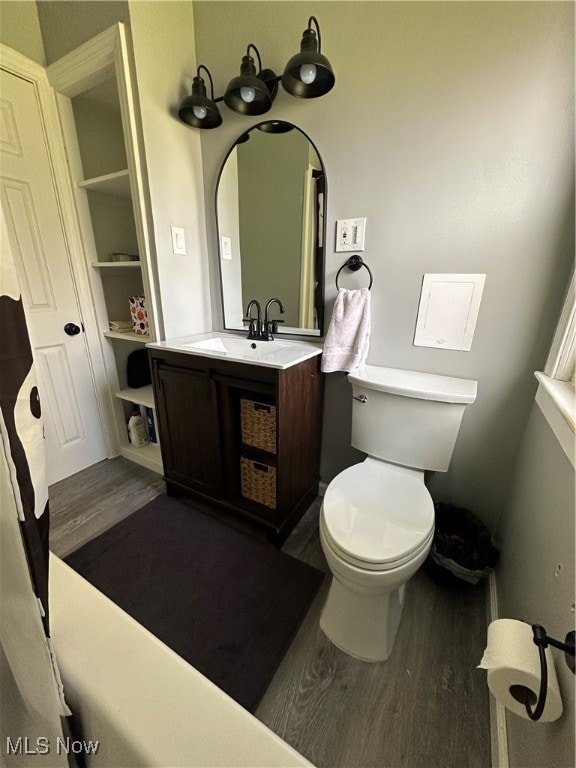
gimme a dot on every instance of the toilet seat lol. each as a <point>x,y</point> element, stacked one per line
<point>365,565</point>
<point>377,516</point>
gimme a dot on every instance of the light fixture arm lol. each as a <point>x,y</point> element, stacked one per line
<point>267,75</point>
<point>201,66</point>
<point>251,45</point>
<point>317,25</point>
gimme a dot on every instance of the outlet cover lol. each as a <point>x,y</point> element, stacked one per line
<point>350,234</point>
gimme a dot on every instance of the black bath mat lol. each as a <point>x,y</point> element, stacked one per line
<point>224,601</point>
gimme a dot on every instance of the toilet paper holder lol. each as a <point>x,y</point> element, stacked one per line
<point>523,694</point>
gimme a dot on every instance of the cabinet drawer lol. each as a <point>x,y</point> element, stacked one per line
<point>258,422</point>
<point>258,482</point>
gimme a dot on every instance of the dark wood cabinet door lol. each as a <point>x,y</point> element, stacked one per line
<point>189,428</point>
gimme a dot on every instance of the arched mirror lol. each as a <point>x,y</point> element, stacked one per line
<point>270,212</point>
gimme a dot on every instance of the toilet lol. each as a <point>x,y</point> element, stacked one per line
<point>377,517</point>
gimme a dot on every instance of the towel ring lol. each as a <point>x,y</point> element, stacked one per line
<point>354,263</point>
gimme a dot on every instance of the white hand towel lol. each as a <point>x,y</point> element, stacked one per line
<point>348,337</point>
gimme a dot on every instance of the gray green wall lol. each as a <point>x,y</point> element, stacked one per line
<point>535,535</point>
<point>163,40</point>
<point>66,24</point>
<point>451,129</point>
<point>20,29</point>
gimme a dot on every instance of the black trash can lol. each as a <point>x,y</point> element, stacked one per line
<point>462,549</point>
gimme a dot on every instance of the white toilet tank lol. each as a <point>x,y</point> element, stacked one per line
<point>406,417</point>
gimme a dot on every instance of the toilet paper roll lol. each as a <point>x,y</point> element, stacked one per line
<point>512,659</point>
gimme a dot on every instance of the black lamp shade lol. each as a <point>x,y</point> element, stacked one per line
<point>308,57</point>
<point>248,81</point>
<point>275,126</point>
<point>197,104</point>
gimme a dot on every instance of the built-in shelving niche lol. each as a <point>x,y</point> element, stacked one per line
<point>102,144</point>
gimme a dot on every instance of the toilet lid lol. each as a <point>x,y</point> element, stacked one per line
<point>378,514</point>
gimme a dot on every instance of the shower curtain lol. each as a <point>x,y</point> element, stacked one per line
<point>31,696</point>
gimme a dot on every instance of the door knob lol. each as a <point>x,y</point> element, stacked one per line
<point>72,329</point>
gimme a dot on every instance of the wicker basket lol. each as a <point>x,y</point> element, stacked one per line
<point>258,482</point>
<point>258,422</point>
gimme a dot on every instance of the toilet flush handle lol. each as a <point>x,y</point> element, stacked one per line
<point>360,398</point>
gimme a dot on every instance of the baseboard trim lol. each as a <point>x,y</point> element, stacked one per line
<point>498,732</point>
<point>322,488</point>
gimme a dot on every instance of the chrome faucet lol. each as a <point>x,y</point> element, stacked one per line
<point>255,327</point>
<point>271,326</point>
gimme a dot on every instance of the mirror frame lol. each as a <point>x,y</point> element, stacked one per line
<point>283,126</point>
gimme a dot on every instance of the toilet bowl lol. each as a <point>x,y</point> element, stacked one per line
<point>376,529</point>
<point>377,517</point>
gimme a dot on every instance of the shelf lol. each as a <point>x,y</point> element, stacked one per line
<point>140,396</point>
<point>107,164</point>
<point>148,456</point>
<point>116,184</point>
<point>116,264</point>
<point>128,336</point>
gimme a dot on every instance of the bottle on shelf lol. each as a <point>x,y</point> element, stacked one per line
<point>137,429</point>
<point>151,425</point>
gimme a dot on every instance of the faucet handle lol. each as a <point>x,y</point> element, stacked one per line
<point>271,328</point>
<point>252,330</point>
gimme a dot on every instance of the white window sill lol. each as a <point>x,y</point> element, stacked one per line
<point>557,402</point>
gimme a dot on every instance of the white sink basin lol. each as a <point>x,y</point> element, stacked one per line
<point>272,354</point>
<point>229,345</point>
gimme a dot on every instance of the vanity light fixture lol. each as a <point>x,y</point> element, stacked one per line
<point>251,93</point>
<point>308,75</point>
<point>198,110</point>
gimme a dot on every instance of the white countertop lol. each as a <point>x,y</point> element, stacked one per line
<point>281,353</point>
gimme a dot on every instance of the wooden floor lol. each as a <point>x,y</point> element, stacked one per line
<point>90,502</point>
<point>426,706</point>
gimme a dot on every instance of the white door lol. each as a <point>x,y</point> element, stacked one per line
<point>32,229</point>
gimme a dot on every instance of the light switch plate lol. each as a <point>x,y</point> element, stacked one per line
<point>448,311</point>
<point>350,234</point>
<point>178,241</point>
<point>226,243</point>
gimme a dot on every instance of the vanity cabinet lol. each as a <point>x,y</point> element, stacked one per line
<point>209,450</point>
